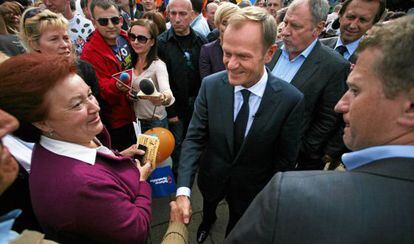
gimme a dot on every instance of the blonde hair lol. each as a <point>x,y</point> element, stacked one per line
<point>258,15</point>
<point>224,11</point>
<point>32,27</point>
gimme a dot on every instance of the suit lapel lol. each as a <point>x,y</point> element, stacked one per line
<point>308,67</point>
<point>226,109</point>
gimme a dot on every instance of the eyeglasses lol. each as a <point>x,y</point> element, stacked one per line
<point>31,13</point>
<point>105,21</point>
<point>140,38</point>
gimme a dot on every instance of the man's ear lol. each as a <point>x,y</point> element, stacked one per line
<point>94,22</point>
<point>407,115</point>
<point>318,29</point>
<point>269,53</point>
<point>43,126</point>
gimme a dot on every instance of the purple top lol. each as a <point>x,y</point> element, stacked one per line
<point>76,202</point>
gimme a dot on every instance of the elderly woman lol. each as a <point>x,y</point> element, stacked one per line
<point>149,110</point>
<point>211,54</point>
<point>81,191</point>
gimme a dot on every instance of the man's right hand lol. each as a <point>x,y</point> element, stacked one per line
<point>184,204</point>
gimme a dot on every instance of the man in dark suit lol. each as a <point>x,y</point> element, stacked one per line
<point>246,121</point>
<point>372,202</point>
<point>318,72</point>
<point>356,17</point>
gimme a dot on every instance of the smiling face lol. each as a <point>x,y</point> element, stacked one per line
<point>111,31</point>
<point>244,58</point>
<point>371,119</point>
<point>73,112</point>
<point>141,48</point>
<point>55,41</point>
<point>357,19</point>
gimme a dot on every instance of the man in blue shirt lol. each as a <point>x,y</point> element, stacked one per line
<point>371,202</point>
<point>318,72</point>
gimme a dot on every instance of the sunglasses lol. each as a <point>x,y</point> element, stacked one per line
<point>140,38</point>
<point>105,21</point>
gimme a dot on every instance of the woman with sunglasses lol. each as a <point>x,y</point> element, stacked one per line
<point>149,110</point>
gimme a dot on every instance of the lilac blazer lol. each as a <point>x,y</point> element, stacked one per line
<point>211,59</point>
<point>76,202</point>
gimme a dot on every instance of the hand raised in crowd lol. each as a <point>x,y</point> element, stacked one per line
<point>183,203</point>
<point>122,86</point>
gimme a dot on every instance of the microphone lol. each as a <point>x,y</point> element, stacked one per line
<point>125,78</point>
<point>146,86</point>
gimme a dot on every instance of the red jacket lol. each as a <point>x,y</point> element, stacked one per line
<point>118,111</point>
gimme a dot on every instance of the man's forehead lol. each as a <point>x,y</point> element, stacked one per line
<point>363,7</point>
<point>180,5</point>
<point>111,11</point>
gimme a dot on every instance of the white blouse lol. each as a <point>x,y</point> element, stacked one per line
<point>157,71</point>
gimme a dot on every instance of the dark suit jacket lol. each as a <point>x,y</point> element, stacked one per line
<point>270,146</point>
<point>370,204</point>
<point>331,42</point>
<point>211,59</point>
<point>322,80</point>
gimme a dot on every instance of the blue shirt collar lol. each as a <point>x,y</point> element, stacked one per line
<point>195,20</point>
<point>362,157</point>
<point>258,88</point>
<point>351,47</point>
<point>305,53</point>
<point>6,223</point>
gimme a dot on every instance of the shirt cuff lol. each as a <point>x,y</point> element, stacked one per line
<point>183,191</point>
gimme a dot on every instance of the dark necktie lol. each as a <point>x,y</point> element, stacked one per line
<point>241,121</point>
<point>341,50</point>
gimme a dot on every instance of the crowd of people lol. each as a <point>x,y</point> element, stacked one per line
<point>299,114</point>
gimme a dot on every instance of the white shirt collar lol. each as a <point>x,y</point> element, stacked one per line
<point>258,88</point>
<point>72,150</point>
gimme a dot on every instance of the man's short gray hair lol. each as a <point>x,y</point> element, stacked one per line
<point>395,66</point>
<point>319,9</point>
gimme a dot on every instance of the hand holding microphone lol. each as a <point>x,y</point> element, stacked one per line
<point>121,84</point>
<point>148,92</point>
